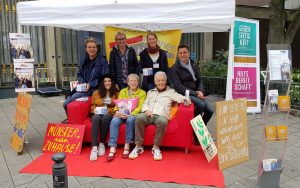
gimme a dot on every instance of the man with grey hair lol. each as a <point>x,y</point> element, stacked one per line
<point>155,110</point>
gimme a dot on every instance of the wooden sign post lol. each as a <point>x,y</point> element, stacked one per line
<point>21,120</point>
<point>63,138</point>
<point>232,133</point>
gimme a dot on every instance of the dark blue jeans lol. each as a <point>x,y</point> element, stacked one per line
<point>202,106</point>
<point>76,96</point>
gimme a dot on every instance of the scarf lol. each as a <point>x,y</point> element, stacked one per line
<point>153,50</point>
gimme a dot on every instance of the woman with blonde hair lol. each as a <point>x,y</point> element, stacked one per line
<point>122,60</point>
<point>152,60</point>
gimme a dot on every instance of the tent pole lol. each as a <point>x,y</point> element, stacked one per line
<point>19,28</point>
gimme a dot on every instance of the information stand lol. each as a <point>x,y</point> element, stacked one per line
<point>275,113</point>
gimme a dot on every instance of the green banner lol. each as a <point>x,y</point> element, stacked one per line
<point>244,38</point>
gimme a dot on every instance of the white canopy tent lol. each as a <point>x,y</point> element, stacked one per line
<point>155,15</point>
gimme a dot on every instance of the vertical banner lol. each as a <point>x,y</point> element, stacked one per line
<point>232,133</point>
<point>21,120</point>
<point>22,55</point>
<point>167,40</point>
<point>243,80</point>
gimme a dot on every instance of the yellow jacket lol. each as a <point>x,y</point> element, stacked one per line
<point>141,94</point>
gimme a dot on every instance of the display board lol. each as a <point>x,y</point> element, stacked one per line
<point>243,77</point>
<point>275,115</point>
<point>232,132</point>
<point>20,123</point>
<point>22,55</point>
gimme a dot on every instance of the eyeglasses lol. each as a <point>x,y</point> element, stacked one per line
<point>120,39</point>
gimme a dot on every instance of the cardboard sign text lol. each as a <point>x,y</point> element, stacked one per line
<point>63,138</point>
<point>232,135</point>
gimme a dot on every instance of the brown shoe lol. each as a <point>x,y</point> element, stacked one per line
<point>125,154</point>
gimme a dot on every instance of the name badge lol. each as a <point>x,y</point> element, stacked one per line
<point>156,65</point>
<point>147,71</point>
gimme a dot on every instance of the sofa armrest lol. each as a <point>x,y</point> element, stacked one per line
<point>184,116</point>
<point>185,113</point>
<point>78,111</point>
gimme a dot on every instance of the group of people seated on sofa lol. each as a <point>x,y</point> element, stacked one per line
<point>119,79</point>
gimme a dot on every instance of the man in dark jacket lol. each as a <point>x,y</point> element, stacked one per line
<point>122,61</point>
<point>185,76</point>
<point>90,72</point>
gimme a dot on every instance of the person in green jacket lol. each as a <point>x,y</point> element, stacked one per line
<point>120,116</point>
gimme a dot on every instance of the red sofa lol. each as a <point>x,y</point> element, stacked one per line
<point>179,132</point>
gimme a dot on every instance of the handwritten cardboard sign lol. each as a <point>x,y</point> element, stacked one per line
<point>232,135</point>
<point>21,120</point>
<point>63,138</point>
<point>206,142</point>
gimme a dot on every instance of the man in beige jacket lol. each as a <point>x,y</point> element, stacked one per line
<point>156,110</point>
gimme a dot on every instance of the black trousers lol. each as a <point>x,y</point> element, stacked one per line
<point>100,122</point>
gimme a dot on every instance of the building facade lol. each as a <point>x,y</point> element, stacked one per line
<point>59,48</point>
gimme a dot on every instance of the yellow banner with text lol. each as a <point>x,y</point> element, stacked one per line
<point>21,120</point>
<point>167,40</point>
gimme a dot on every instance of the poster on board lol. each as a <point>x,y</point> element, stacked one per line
<point>232,132</point>
<point>24,77</point>
<point>22,54</point>
<point>279,64</point>
<point>243,76</point>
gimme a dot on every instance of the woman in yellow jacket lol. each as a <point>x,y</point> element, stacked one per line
<point>132,91</point>
<point>102,97</point>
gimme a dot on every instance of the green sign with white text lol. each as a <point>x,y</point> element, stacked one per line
<point>244,38</point>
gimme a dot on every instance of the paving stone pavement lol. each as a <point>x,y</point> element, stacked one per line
<point>49,109</point>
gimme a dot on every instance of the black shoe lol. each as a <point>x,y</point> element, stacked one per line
<point>196,141</point>
<point>65,121</point>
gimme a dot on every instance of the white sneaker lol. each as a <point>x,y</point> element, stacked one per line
<point>93,156</point>
<point>136,152</point>
<point>156,154</point>
<point>101,149</point>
